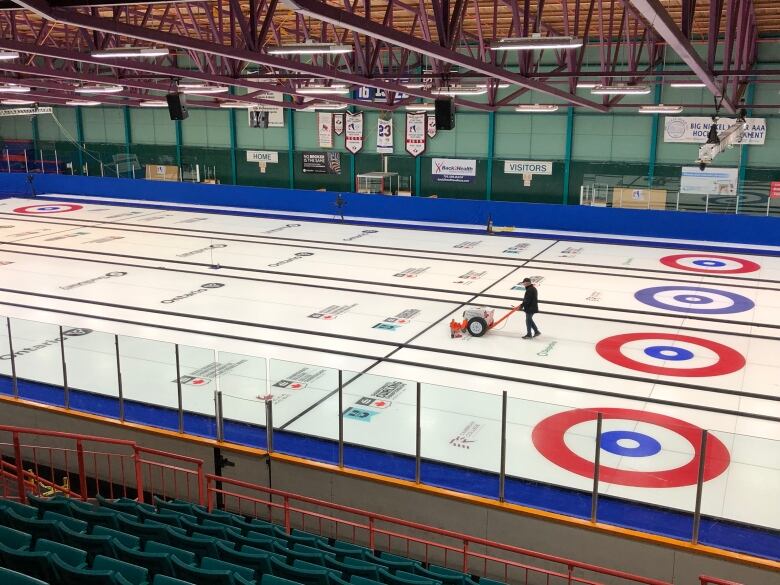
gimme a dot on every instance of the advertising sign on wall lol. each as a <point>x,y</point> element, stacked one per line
<point>694,130</point>
<point>325,129</point>
<point>415,134</point>
<point>275,113</point>
<point>452,170</point>
<point>710,181</point>
<point>527,167</point>
<point>353,141</point>
<point>322,163</point>
<point>384,136</point>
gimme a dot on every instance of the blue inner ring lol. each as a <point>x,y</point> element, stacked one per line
<point>647,445</point>
<point>709,263</point>
<point>675,354</point>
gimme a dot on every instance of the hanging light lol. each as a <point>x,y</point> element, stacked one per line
<point>620,89</point>
<point>236,105</point>
<point>687,84</point>
<point>499,85</point>
<point>660,109</point>
<point>13,88</point>
<point>154,104</point>
<point>82,103</point>
<point>326,107</point>
<point>586,84</point>
<point>420,107</point>
<point>454,90</point>
<point>201,88</point>
<point>8,55</point>
<point>337,89</point>
<point>127,52</point>
<point>309,49</point>
<point>537,108</point>
<point>99,89</point>
<point>535,42</point>
<point>12,102</point>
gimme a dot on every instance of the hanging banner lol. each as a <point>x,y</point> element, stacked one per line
<point>322,163</point>
<point>774,190</point>
<point>338,124</point>
<point>353,140</point>
<point>275,113</point>
<point>694,130</point>
<point>325,129</point>
<point>431,126</point>
<point>710,181</point>
<point>451,170</point>
<point>415,134</point>
<point>384,136</point>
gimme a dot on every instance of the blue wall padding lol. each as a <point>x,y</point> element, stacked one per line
<point>756,230</point>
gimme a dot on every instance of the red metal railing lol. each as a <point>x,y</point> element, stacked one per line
<point>115,467</point>
<point>427,543</point>
<point>705,580</point>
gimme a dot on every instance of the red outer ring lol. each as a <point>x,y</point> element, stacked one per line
<point>730,360</point>
<point>674,262</point>
<point>29,209</point>
<point>548,438</point>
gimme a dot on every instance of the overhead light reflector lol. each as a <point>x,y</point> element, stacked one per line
<point>420,107</point>
<point>536,108</point>
<point>323,89</point>
<point>81,103</point>
<point>686,84</point>
<point>8,55</point>
<point>327,107</point>
<point>660,109</point>
<point>129,52</point>
<point>535,43</point>
<point>309,49</point>
<point>12,102</point>
<point>586,84</point>
<point>201,88</point>
<point>454,90</point>
<point>500,85</point>
<point>236,105</point>
<point>13,88</point>
<point>620,90</point>
<point>154,104</point>
<point>99,89</point>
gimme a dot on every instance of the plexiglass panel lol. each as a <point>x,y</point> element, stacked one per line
<point>242,381</point>
<point>149,381</point>
<point>38,358</point>
<point>6,371</point>
<point>198,383</point>
<point>91,365</point>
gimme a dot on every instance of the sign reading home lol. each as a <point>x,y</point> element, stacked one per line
<point>262,156</point>
<point>694,130</point>
<point>527,167</point>
<point>451,170</point>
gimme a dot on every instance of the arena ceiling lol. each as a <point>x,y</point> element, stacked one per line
<point>410,49</point>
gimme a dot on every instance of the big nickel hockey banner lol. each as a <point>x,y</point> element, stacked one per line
<point>325,129</point>
<point>415,134</point>
<point>384,136</point>
<point>695,130</point>
<point>338,124</point>
<point>353,140</point>
<point>431,126</point>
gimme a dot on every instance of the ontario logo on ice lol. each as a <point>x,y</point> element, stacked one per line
<point>296,256</point>
<point>362,234</point>
<point>203,288</point>
<point>106,276</point>
<point>67,333</point>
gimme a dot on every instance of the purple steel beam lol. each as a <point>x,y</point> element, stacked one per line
<point>109,26</point>
<point>364,26</point>
<point>660,20</point>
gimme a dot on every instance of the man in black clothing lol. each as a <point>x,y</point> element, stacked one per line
<point>530,305</point>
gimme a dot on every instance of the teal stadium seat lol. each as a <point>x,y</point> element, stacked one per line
<point>301,572</point>
<point>391,562</point>
<point>341,549</point>
<point>9,577</point>
<point>36,528</point>
<point>15,539</point>
<point>253,539</point>
<point>92,544</point>
<point>357,580</point>
<point>205,546</point>
<point>155,563</point>
<point>404,578</point>
<point>33,563</point>
<point>256,559</point>
<point>183,555</point>
<point>148,530</point>
<point>166,580</point>
<point>175,506</point>
<point>133,574</point>
<point>75,557</point>
<point>19,508</point>
<point>128,540</point>
<point>73,524</point>
<point>206,577</point>
<point>274,580</point>
<point>247,573</point>
<point>96,516</point>
<point>58,504</point>
<point>446,576</point>
<point>67,575</point>
<point>349,566</point>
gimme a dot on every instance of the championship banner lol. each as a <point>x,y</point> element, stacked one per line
<point>322,163</point>
<point>338,124</point>
<point>415,134</point>
<point>353,140</point>
<point>694,130</point>
<point>384,136</point>
<point>431,126</point>
<point>325,129</point>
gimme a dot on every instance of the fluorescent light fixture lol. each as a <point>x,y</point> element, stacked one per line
<point>499,85</point>
<point>154,104</point>
<point>12,102</point>
<point>236,105</point>
<point>99,89</point>
<point>13,88</point>
<point>586,84</point>
<point>454,90</point>
<point>8,55</point>
<point>81,103</point>
<point>127,52</point>
<point>536,108</point>
<point>660,109</point>
<point>413,85</point>
<point>687,84</point>
<point>309,49</point>
<point>420,107</point>
<point>323,89</point>
<point>201,88</point>
<point>326,107</point>
<point>620,89</point>
<point>536,42</point>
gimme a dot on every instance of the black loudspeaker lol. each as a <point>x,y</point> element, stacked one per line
<point>258,119</point>
<point>176,106</point>
<point>445,115</point>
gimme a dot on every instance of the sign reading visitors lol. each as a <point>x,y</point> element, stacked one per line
<point>694,130</point>
<point>353,141</point>
<point>384,136</point>
<point>322,163</point>
<point>452,170</point>
<point>325,129</point>
<point>262,156</point>
<point>415,134</point>
<point>275,113</point>
<point>710,181</point>
<point>527,167</point>
<point>774,190</point>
